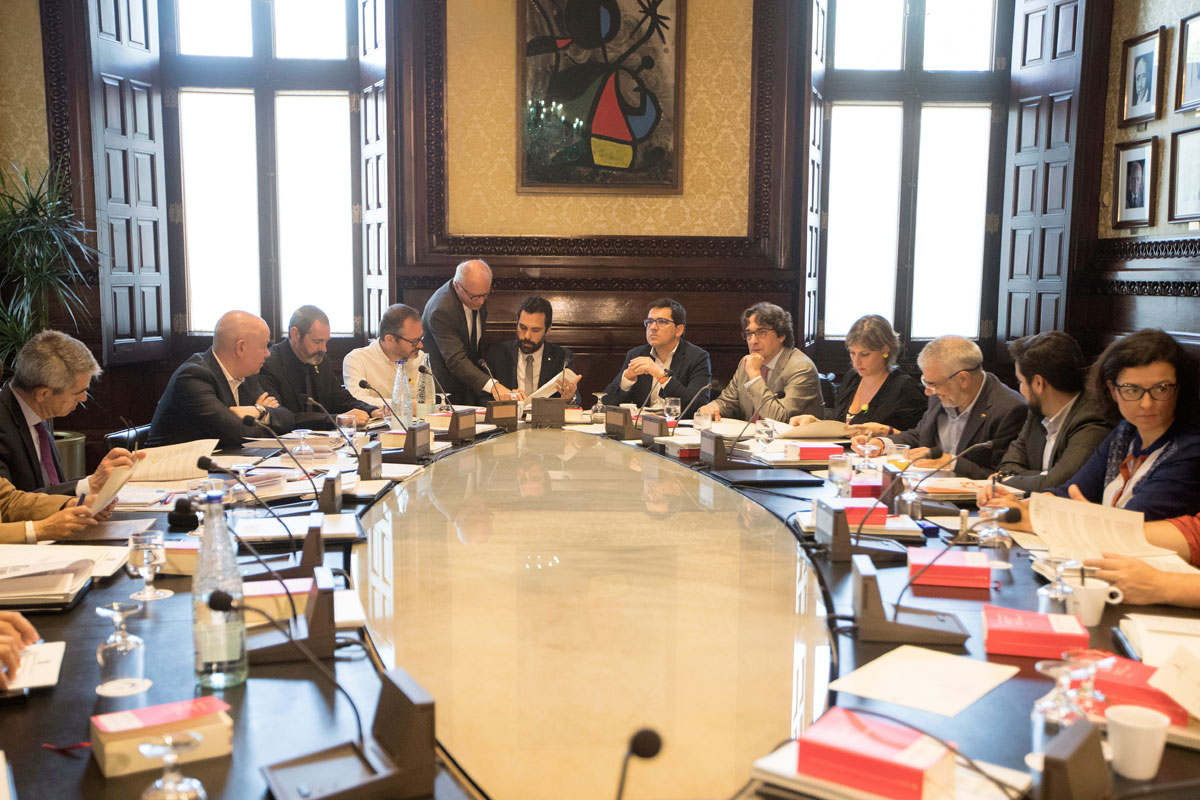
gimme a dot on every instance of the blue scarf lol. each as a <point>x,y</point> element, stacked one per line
<point>1126,442</point>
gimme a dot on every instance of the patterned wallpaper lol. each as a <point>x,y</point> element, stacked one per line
<point>23,138</point>
<point>481,129</point>
<point>1133,19</point>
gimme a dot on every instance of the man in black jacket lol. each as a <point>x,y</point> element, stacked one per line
<point>296,372</point>
<point>211,392</point>
<point>666,366</point>
<point>528,361</point>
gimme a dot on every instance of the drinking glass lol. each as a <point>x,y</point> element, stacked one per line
<point>671,409</point>
<point>146,553</point>
<point>444,404</point>
<point>1053,597</point>
<point>347,425</point>
<point>303,452</point>
<point>702,421</point>
<point>598,409</point>
<point>897,456</point>
<point>866,450</point>
<point>764,434</point>
<point>197,491</point>
<point>991,534</point>
<point>1056,711</point>
<point>840,472</point>
<point>122,655</point>
<point>172,785</point>
<point>1085,663</point>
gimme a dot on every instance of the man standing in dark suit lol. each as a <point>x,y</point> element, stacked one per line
<point>666,366</point>
<point>296,372</point>
<point>967,406</point>
<point>1064,424</point>
<point>529,360</point>
<point>454,322</point>
<point>51,376</point>
<point>212,391</point>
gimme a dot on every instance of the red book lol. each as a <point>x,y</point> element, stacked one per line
<point>164,714</point>
<point>872,755</point>
<point>866,486</point>
<point>815,452</point>
<point>1127,683</point>
<point>953,568</point>
<point>1011,632</point>
<point>859,507</point>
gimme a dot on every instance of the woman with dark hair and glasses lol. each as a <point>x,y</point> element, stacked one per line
<point>1151,460</point>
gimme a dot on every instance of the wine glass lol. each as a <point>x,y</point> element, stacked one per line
<point>866,449</point>
<point>347,426</point>
<point>840,472</point>
<point>303,452</point>
<point>1052,598</point>
<point>444,404</point>
<point>991,534</point>
<point>1086,662</point>
<point>1056,711</point>
<point>909,502</point>
<point>671,408</point>
<point>172,785</point>
<point>146,553</point>
<point>598,409</point>
<point>122,655</point>
<point>764,434</point>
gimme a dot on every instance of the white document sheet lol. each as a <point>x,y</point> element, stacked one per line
<point>1179,678</point>
<point>1074,530</point>
<point>173,462</point>
<point>106,560</point>
<point>821,429</point>
<point>1155,638</point>
<point>40,665</point>
<point>551,386</point>
<point>903,677</point>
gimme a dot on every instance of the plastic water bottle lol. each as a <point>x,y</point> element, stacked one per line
<point>219,636</point>
<point>426,398</point>
<point>402,399</point>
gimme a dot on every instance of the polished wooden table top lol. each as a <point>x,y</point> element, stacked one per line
<point>556,591</point>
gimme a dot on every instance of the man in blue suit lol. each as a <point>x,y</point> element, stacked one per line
<point>666,366</point>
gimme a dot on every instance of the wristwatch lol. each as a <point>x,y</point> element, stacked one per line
<point>262,410</point>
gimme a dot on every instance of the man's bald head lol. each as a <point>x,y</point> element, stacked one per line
<point>473,283</point>
<point>241,341</point>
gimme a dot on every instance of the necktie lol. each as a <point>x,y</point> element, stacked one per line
<point>527,381</point>
<point>474,333</point>
<point>47,454</point>
<point>763,372</point>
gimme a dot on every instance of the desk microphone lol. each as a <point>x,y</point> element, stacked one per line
<point>221,600</point>
<point>312,401</point>
<point>483,363</point>
<point>754,414</point>
<point>644,744</point>
<point>649,394</point>
<point>362,384</point>
<point>208,465</point>
<point>711,386</point>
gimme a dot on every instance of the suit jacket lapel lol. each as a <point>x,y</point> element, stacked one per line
<point>978,414</point>
<point>22,427</point>
<point>210,360</point>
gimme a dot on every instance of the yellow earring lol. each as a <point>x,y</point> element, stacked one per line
<point>885,355</point>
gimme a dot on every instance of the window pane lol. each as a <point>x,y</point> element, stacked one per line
<point>864,206</point>
<point>312,156</point>
<point>951,209</point>
<point>215,28</point>
<point>310,29</point>
<point>220,204</point>
<point>869,34</point>
<point>958,34</point>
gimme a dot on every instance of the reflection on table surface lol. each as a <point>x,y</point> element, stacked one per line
<point>556,591</point>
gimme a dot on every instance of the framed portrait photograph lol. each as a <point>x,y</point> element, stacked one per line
<point>1142,71</point>
<point>1183,196</point>
<point>1135,188</point>
<point>1187,79</point>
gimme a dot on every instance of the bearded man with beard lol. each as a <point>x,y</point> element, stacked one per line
<point>528,361</point>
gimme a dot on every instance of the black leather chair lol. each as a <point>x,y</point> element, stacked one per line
<point>828,390</point>
<point>129,438</point>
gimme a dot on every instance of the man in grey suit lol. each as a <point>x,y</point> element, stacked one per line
<point>774,378</point>
<point>454,321</point>
<point>1064,424</point>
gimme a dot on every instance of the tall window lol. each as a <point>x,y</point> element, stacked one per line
<point>266,156</point>
<point>914,93</point>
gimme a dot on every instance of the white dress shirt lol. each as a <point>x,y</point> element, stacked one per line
<point>656,387</point>
<point>373,364</point>
<point>950,424</point>
<point>1053,425</point>
<point>234,383</point>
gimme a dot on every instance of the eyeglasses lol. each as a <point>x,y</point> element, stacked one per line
<point>1131,392</point>
<point>411,342</point>
<point>929,385</point>
<point>657,322</point>
<point>473,297</point>
<point>756,333</point>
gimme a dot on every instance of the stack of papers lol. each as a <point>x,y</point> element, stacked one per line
<point>1155,638</point>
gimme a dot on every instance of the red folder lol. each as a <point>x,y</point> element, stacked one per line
<point>872,755</point>
<point>1011,632</point>
<point>953,568</point>
<point>1127,683</point>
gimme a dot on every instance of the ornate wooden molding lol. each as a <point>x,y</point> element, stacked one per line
<point>614,284</point>
<point>1117,288</point>
<point>767,124</point>
<point>1135,249</point>
<point>55,72</point>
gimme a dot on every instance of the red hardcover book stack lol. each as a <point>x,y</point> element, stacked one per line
<point>1127,683</point>
<point>1012,632</point>
<point>953,568</point>
<point>858,507</point>
<point>866,485</point>
<point>871,755</point>
<point>814,451</point>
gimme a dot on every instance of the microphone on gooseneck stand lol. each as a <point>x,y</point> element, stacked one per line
<point>711,385</point>
<point>208,465</point>
<point>312,402</point>
<point>251,421</point>
<point>483,363</point>
<point>649,394</point>
<point>364,385</point>
<point>221,600</point>
<point>644,744</point>
<point>753,414</point>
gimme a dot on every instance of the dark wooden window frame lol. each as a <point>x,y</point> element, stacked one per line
<point>911,86</point>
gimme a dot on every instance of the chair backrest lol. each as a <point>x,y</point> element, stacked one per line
<point>127,437</point>
<point>828,389</point>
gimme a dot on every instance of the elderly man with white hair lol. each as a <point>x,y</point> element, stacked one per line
<point>967,406</point>
<point>211,392</point>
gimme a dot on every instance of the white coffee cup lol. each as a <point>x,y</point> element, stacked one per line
<point>1089,596</point>
<point>1137,736</point>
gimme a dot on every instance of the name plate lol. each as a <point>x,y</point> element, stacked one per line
<point>548,412</point>
<point>653,425</point>
<point>618,423</point>
<point>462,426</point>
<point>504,414</point>
<point>370,461</point>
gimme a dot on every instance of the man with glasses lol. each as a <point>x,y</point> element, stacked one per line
<point>296,373</point>
<point>666,366</point>
<point>774,379</point>
<point>455,319</point>
<point>967,405</point>
<point>400,339</point>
